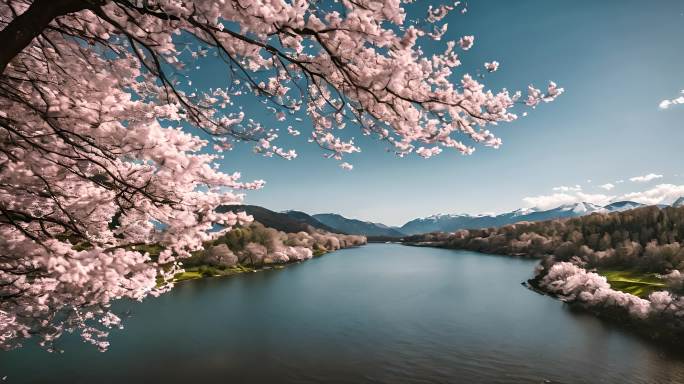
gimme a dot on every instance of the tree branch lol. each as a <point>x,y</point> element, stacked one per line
<point>18,34</point>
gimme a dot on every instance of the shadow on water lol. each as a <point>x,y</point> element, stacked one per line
<point>667,350</point>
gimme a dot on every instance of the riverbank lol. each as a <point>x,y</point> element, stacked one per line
<point>637,302</point>
<point>254,248</point>
<point>209,271</point>
<point>409,315</point>
<point>627,266</point>
<point>655,319</point>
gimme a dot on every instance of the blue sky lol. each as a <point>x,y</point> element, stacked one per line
<point>617,60</point>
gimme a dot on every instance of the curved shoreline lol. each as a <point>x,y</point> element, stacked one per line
<point>668,334</point>
<point>207,271</point>
<point>650,329</point>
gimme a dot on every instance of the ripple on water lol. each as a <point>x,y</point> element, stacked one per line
<point>377,314</point>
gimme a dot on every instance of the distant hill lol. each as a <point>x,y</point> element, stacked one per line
<point>292,221</point>
<point>312,221</point>
<point>357,227</point>
<point>650,235</point>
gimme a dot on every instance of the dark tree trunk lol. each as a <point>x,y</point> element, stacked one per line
<point>19,33</point>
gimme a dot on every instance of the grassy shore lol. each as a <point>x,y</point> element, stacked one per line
<point>202,271</point>
<point>634,282</point>
<point>192,273</point>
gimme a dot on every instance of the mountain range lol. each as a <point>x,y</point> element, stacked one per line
<point>449,223</point>
<point>289,221</point>
<point>453,222</point>
<point>357,227</point>
<point>295,221</point>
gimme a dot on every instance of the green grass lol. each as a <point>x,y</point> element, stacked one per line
<point>319,252</point>
<point>201,271</point>
<point>187,275</point>
<point>637,283</point>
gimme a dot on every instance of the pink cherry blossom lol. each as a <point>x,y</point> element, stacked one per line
<point>94,164</point>
<point>573,283</point>
<point>466,42</point>
<point>491,67</point>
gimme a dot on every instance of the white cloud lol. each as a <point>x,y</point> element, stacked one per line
<point>556,199</point>
<point>549,201</point>
<point>607,186</point>
<point>619,181</point>
<point>563,188</point>
<point>595,198</point>
<point>661,193</point>
<point>665,104</point>
<point>645,178</point>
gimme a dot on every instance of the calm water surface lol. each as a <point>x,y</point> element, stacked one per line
<point>376,314</point>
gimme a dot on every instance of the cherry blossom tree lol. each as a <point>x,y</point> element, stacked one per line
<point>96,102</point>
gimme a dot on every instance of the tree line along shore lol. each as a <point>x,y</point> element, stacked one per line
<point>623,266</point>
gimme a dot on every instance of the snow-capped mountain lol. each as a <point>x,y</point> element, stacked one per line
<point>455,221</point>
<point>523,211</point>
<point>449,223</point>
<point>439,222</point>
<point>584,208</point>
<point>620,206</point>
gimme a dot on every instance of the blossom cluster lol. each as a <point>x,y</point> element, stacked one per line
<point>573,283</point>
<point>94,160</point>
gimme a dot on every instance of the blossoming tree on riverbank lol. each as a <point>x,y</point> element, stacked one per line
<point>93,160</point>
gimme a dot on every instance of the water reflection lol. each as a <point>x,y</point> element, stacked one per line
<point>377,314</point>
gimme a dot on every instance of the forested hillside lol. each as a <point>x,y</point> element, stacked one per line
<point>255,246</point>
<point>291,221</point>
<point>647,238</point>
<point>623,266</point>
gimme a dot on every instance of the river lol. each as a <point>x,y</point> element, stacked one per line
<point>382,313</point>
